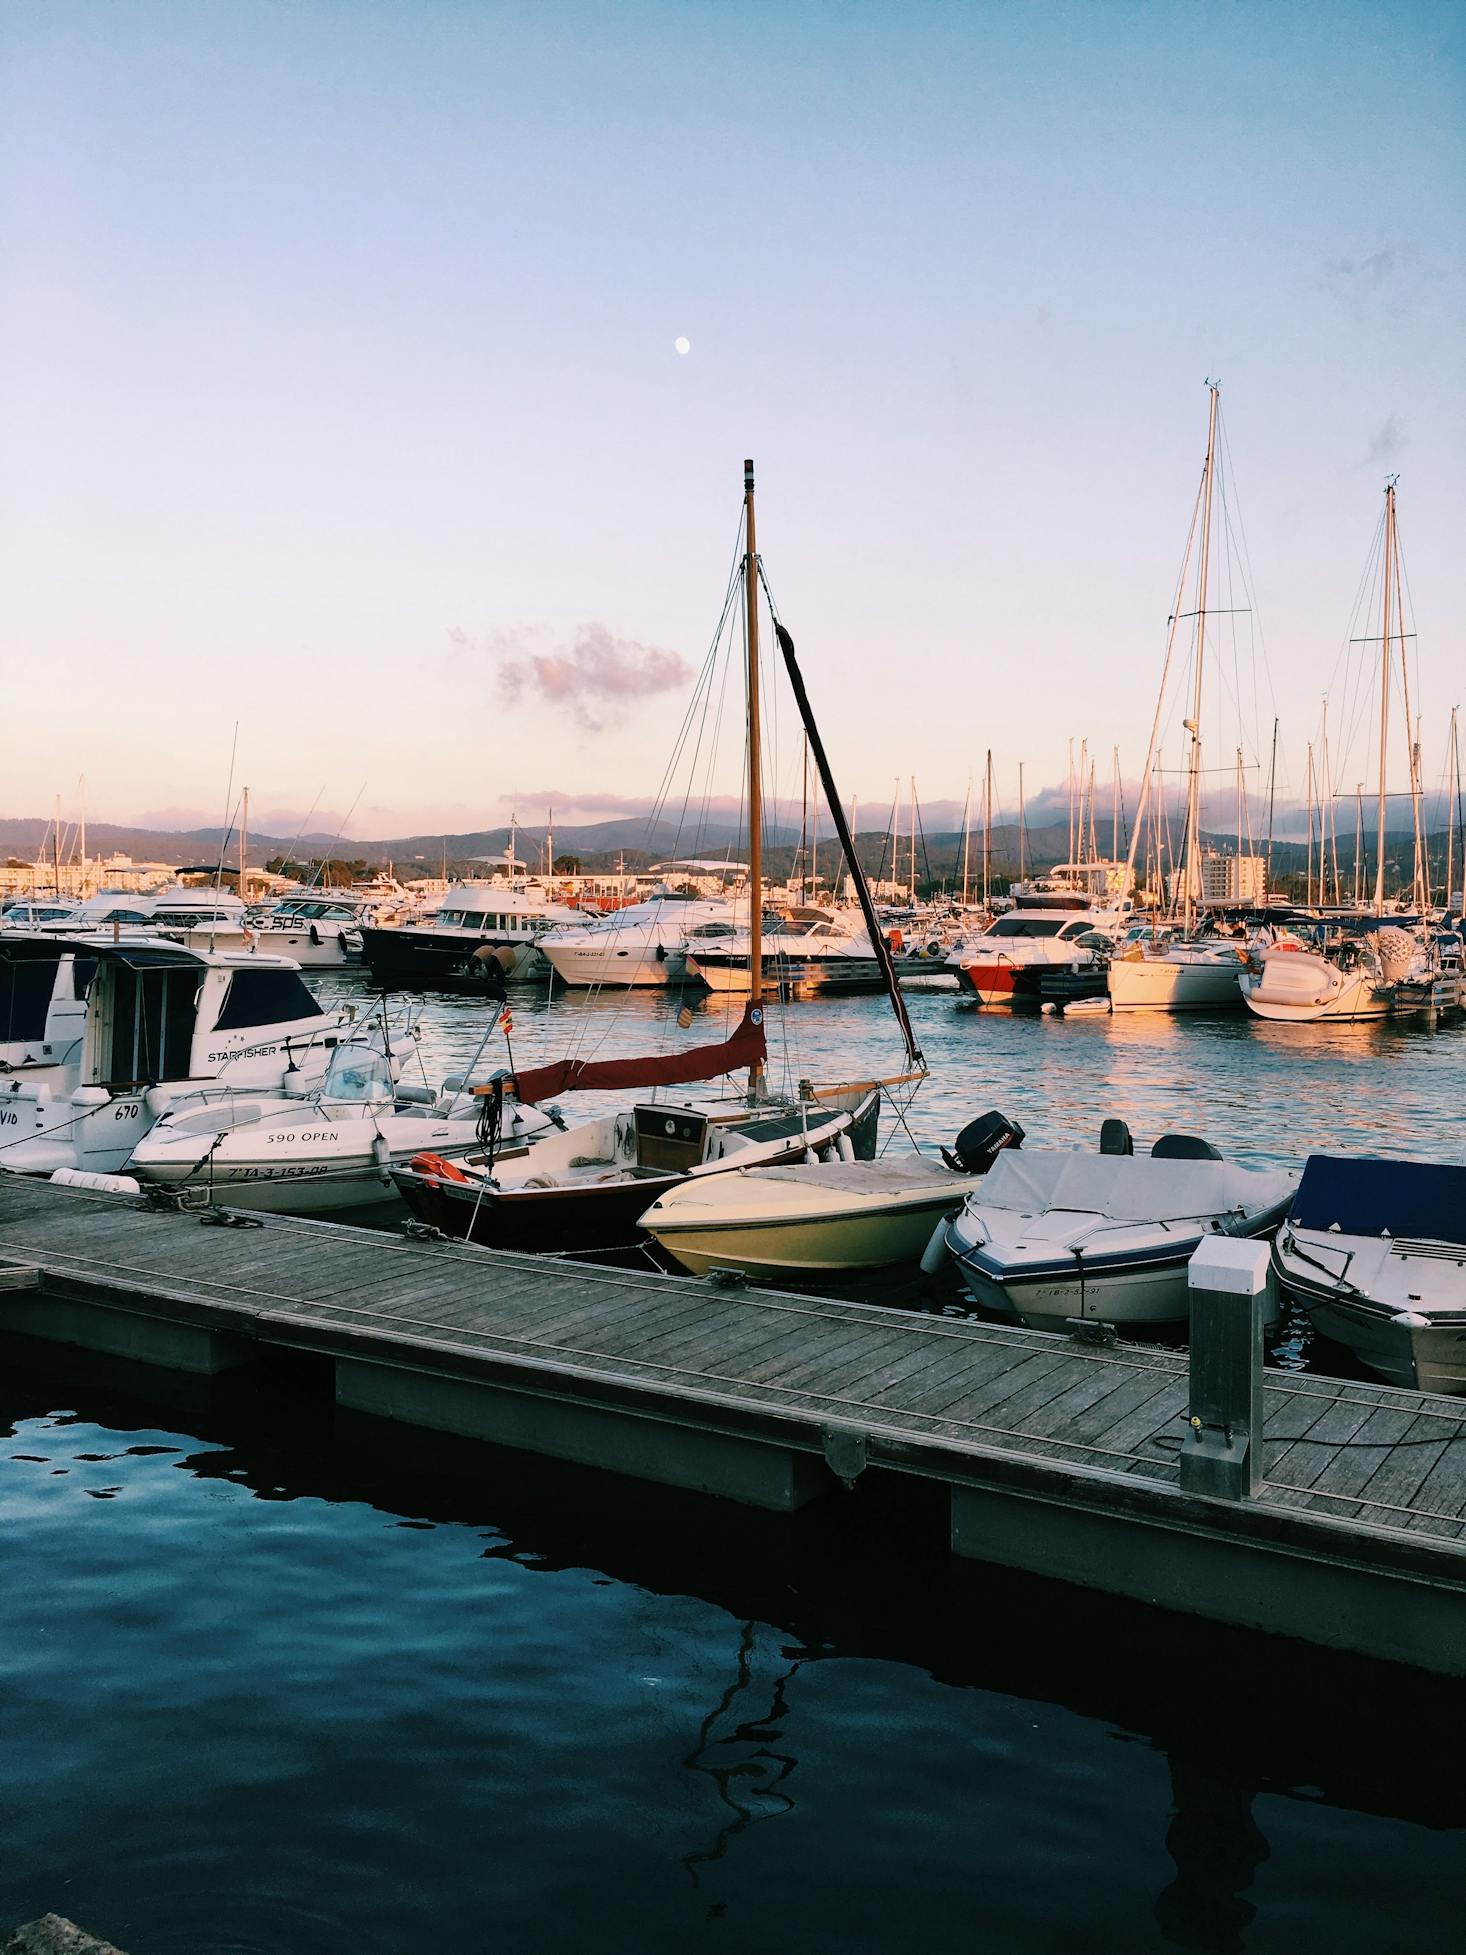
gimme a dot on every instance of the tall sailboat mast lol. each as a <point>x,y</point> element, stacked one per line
<point>1192,869</point>
<point>1453,815</point>
<point>1386,642</point>
<point>966,837</point>
<point>987,830</point>
<point>755,785</point>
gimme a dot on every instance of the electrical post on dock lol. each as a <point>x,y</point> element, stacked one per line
<point>1231,1287</point>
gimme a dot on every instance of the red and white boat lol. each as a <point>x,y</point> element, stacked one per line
<point>1007,961</point>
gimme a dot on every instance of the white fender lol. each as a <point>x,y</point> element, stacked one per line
<point>936,1252</point>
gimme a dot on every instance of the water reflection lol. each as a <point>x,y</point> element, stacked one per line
<point>1217,1846</point>
<point>400,1632</point>
<point>735,1750</point>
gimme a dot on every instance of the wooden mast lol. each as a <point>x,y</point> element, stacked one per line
<point>755,785</point>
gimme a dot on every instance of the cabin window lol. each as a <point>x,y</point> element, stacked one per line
<point>25,997</point>
<point>265,998</point>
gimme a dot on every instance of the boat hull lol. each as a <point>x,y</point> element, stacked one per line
<point>442,960</point>
<point>1156,984</point>
<point>1141,1292</point>
<point>794,977</point>
<point>811,1243</point>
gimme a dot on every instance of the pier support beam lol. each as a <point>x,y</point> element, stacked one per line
<point>1231,1300</point>
<point>42,1311</point>
<point>753,1472</point>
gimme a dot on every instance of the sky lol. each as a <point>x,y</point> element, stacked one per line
<point>342,400</point>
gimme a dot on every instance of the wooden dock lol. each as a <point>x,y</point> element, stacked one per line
<point>1059,1457</point>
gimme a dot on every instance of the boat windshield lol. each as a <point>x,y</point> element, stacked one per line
<point>1017,925</point>
<point>354,1074</point>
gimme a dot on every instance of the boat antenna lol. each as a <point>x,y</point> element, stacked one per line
<point>755,784</point>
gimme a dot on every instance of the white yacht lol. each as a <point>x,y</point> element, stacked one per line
<point>643,944</point>
<point>160,1019</point>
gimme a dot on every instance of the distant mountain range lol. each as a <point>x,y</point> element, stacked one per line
<point>603,845</point>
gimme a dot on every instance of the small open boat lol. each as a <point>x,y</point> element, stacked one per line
<point>1375,1252</point>
<point>1054,1235</point>
<point>824,1215</point>
<point>331,1147</point>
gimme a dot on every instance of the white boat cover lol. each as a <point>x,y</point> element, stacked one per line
<point>1125,1187</point>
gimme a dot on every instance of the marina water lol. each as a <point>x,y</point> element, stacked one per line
<point>265,1688</point>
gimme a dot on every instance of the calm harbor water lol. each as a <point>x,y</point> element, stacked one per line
<point>263,1689</point>
<point>1262,1092</point>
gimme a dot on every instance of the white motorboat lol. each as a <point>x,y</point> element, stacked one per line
<point>1354,979</point>
<point>823,1216</point>
<point>813,953</point>
<point>319,930</point>
<point>1054,1236</point>
<point>300,1153</point>
<point>643,944</point>
<point>160,1019</point>
<point>1375,1252</point>
<point>1203,975</point>
<point>455,950</point>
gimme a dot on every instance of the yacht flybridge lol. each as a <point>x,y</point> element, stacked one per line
<point>159,1019</point>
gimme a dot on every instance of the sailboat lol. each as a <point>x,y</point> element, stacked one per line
<point>1189,974</point>
<point>585,1190</point>
<point>1360,976</point>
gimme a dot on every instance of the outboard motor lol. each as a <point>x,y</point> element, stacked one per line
<point>1184,1147</point>
<point>1115,1138</point>
<point>980,1143</point>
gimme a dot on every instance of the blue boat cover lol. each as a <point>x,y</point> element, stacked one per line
<point>1425,1200</point>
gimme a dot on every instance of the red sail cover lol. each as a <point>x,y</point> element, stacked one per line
<point>745,1048</point>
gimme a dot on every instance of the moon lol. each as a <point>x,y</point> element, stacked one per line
<point>682,345</point>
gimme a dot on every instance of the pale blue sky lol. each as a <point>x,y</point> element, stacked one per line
<point>333,330</point>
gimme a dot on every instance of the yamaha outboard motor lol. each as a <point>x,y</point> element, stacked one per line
<point>980,1143</point>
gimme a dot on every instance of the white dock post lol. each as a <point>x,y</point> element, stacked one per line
<point>1231,1301</point>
